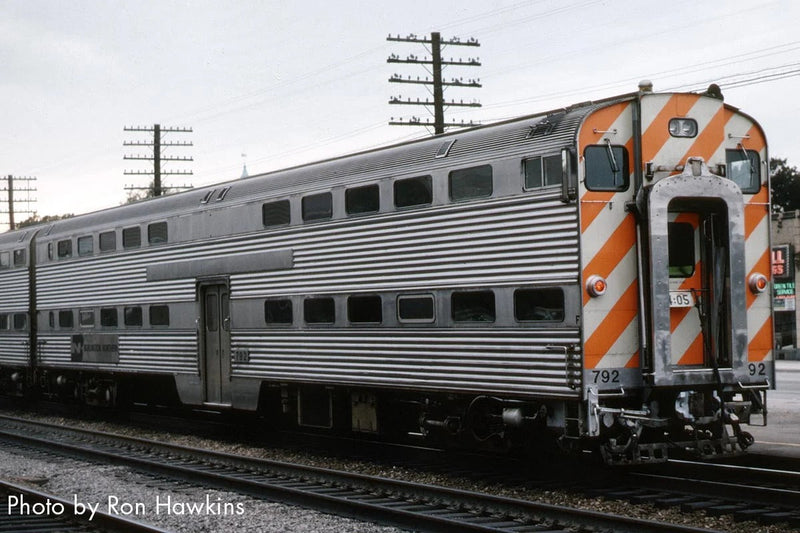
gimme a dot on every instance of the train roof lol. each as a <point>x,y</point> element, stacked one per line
<point>541,132</point>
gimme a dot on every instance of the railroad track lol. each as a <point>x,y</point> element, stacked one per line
<point>25,509</point>
<point>374,499</point>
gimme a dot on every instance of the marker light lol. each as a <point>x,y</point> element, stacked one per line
<point>758,283</point>
<point>596,286</point>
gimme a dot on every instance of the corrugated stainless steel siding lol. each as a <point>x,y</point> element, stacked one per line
<point>14,293</point>
<point>14,349</point>
<point>522,362</point>
<point>515,240</point>
<point>145,351</point>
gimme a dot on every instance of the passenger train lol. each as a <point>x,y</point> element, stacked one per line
<point>594,277</point>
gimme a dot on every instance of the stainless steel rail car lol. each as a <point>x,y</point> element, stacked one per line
<point>594,276</point>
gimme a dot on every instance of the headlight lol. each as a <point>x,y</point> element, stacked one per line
<point>683,127</point>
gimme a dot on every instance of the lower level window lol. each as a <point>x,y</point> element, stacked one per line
<point>473,306</point>
<point>319,311</point>
<point>159,315</point>
<point>278,311</point>
<point>531,305</point>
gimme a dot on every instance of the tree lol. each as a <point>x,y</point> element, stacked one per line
<point>785,186</point>
<point>35,219</point>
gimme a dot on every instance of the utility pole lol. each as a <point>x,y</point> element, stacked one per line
<point>12,187</point>
<point>436,84</point>
<point>157,158</point>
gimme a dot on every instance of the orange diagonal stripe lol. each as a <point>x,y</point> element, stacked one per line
<point>761,344</point>
<point>612,327</point>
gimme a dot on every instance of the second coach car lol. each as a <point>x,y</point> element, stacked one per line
<point>594,276</point>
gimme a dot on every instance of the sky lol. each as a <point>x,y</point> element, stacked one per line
<point>275,84</point>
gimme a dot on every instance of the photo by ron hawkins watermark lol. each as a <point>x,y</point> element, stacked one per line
<point>18,504</point>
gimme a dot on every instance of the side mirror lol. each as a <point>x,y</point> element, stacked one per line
<point>569,176</point>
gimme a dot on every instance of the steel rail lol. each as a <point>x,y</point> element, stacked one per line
<point>370,498</point>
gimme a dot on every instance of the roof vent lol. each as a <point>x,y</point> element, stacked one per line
<point>646,86</point>
<point>444,149</point>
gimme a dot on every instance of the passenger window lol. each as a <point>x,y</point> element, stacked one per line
<point>19,257</point>
<point>157,233</point>
<point>744,171</point>
<point>131,237</point>
<point>365,309</point>
<point>64,249</point>
<point>359,200</point>
<point>85,245</point>
<point>109,317</point>
<point>108,241</point>
<point>86,318</point>
<point>159,315</point>
<point>276,213</point>
<point>416,308</point>
<point>278,311</point>
<point>542,171</point>
<point>66,319</point>
<point>5,260</point>
<point>473,306</point>
<point>133,316</point>
<point>532,305</point>
<point>474,182</point>
<point>681,249</point>
<point>20,321</point>
<point>319,311</point>
<point>606,168</point>
<point>317,206</point>
<point>413,191</point>
<point>3,321</point>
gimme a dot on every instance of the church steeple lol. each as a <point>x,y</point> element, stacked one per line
<point>244,167</point>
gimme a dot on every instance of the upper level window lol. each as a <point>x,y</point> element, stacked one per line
<point>157,233</point>
<point>606,167</point>
<point>319,310</point>
<point>542,171</point>
<point>108,241</point>
<point>473,182</point>
<point>131,237</point>
<point>64,249</point>
<point>365,309</point>
<point>85,245</point>
<point>744,171</point>
<point>20,321</point>
<point>278,311</point>
<point>413,191</point>
<point>473,306</point>
<point>539,304</point>
<point>317,206</point>
<point>19,257</point>
<point>358,200</point>
<point>66,319</point>
<point>133,316</point>
<point>5,260</point>
<point>416,308</point>
<point>276,213</point>
<point>86,318</point>
<point>109,317</point>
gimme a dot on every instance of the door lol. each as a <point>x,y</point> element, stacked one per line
<point>215,342</point>
<point>698,299</point>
